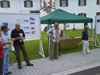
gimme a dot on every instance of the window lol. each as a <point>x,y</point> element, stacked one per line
<point>63,3</point>
<point>5,4</point>
<point>98,2</point>
<point>28,4</point>
<point>82,14</point>
<point>82,2</point>
<point>98,13</point>
<point>48,9</point>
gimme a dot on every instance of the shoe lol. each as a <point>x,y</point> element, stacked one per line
<point>8,73</point>
<point>59,54</point>
<point>29,64</point>
<point>19,67</point>
<point>51,59</point>
<point>84,53</point>
<point>56,58</point>
<point>88,53</point>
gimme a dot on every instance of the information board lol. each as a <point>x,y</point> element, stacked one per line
<point>98,25</point>
<point>30,23</point>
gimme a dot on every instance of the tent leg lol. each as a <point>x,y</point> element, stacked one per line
<point>95,37</point>
<point>49,25</point>
<point>92,33</point>
<point>64,30</point>
<point>41,51</point>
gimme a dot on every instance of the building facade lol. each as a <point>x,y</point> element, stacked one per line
<point>47,6</point>
<point>88,8</point>
<point>19,6</point>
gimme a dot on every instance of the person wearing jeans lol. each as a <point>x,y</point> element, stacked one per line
<point>5,42</point>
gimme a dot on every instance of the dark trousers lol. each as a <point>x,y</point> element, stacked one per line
<point>17,52</point>
<point>1,65</point>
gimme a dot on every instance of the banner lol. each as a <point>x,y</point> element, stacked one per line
<point>98,25</point>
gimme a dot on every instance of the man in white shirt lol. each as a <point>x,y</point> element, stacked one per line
<point>54,33</point>
<point>5,42</point>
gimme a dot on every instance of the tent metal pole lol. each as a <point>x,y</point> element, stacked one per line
<point>92,33</point>
<point>49,25</point>
<point>95,37</point>
<point>64,30</point>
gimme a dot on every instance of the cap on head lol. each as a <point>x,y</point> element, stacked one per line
<point>3,27</point>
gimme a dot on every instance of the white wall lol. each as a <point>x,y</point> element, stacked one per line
<point>17,6</point>
<point>90,9</point>
<point>36,6</point>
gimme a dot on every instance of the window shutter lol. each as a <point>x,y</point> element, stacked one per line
<point>97,2</point>
<point>8,4</point>
<point>24,3</point>
<point>98,13</point>
<point>66,2</point>
<point>2,4</point>
<point>79,2</point>
<point>60,2</point>
<point>79,14</point>
<point>84,14</point>
<point>85,2</point>
<point>31,3</point>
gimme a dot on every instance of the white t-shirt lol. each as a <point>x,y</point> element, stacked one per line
<point>54,33</point>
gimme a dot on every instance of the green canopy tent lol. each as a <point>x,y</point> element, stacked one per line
<point>62,16</point>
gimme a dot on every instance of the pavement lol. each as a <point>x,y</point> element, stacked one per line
<point>67,64</point>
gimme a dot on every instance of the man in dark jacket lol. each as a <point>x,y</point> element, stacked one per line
<point>19,36</point>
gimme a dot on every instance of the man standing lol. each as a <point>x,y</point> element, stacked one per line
<point>1,55</point>
<point>85,41</point>
<point>54,33</point>
<point>5,42</point>
<point>19,36</point>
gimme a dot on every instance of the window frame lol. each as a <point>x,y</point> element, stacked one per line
<point>2,4</point>
<point>66,1</point>
<point>25,3</point>
<point>98,2</point>
<point>82,14</point>
<point>48,8</point>
<point>98,14</point>
<point>79,3</point>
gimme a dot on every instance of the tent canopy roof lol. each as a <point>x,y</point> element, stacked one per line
<point>62,16</point>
